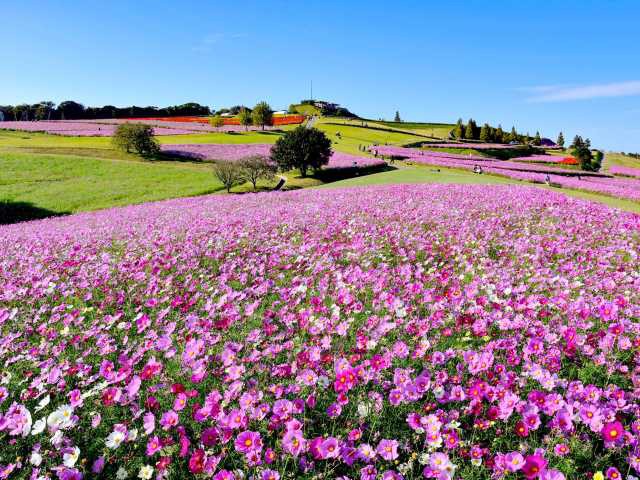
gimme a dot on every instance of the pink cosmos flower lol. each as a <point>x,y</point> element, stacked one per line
<point>75,398</point>
<point>293,442</point>
<point>329,448</point>
<point>180,402</point>
<point>388,449</point>
<point>513,461</point>
<point>153,446</point>
<point>270,475</point>
<point>169,420</point>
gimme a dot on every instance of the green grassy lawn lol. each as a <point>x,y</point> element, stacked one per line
<point>307,109</point>
<point>352,136</point>
<point>69,183</point>
<point>612,158</point>
<point>435,130</point>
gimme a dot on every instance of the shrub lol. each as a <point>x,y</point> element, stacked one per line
<point>245,118</point>
<point>302,148</point>
<point>216,122</point>
<point>230,174</point>
<point>262,114</point>
<point>256,167</point>
<point>136,137</point>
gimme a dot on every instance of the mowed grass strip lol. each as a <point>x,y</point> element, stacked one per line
<point>69,183</point>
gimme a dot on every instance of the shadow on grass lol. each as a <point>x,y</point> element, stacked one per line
<point>330,175</point>
<point>14,212</point>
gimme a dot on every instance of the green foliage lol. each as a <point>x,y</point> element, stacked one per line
<point>216,122</point>
<point>485,133</point>
<point>302,148</point>
<point>589,160</point>
<point>245,118</point>
<point>136,137</point>
<point>537,140</point>
<point>471,130</point>
<point>292,109</point>
<point>397,117</point>
<point>256,167</point>
<point>459,130</point>
<point>560,140</point>
<point>499,135</point>
<point>229,174</point>
<point>262,114</point>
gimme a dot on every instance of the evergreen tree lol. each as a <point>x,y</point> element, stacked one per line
<point>470,131</point>
<point>577,142</point>
<point>458,132</point>
<point>485,133</point>
<point>397,117</point>
<point>537,140</point>
<point>513,135</point>
<point>560,140</point>
<point>498,135</point>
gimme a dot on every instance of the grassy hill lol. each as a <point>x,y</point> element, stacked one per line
<point>307,109</point>
<point>614,158</point>
<point>434,130</point>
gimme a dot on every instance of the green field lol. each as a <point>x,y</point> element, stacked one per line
<point>307,109</point>
<point>42,175</point>
<point>434,130</point>
<point>612,158</point>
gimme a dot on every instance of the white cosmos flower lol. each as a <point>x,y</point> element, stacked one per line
<point>38,426</point>
<point>114,439</point>
<point>145,472</point>
<point>36,459</point>
<point>70,458</point>
<point>121,474</point>
<point>42,403</point>
<point>61,418</point>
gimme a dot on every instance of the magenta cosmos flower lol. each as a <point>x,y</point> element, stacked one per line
<point>534,466</point>
<point>248,441</point>
<point>612,432</point>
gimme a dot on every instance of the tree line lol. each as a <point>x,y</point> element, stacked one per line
<point>70,110</point>
<point>489,134</point>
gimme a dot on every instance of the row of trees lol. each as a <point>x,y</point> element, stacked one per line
<point>260,116</point>
<point>250,169</point>
<point>70,110</point>
<point>489,134</point>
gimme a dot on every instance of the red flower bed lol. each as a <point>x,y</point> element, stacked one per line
<point>569,161</point>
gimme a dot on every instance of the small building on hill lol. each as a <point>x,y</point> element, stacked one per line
<point>547,142</point>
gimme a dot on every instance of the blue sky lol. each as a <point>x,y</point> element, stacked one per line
<point>570,65</point>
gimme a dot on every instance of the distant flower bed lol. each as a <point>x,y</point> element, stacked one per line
<point>588,181</point>
<point>556,159</point>
<point>476,146</point>
<point>230,152</point>
<point>625,171</point>
<point>288,119</point>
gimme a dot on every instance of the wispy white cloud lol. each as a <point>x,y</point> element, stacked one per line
<point>565,93</point>
<point>210,40</point>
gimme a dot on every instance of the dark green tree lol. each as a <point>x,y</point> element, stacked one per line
<point>485,133</point>
<point>470,132</point>
<point>397,117</point>
<point>513,136</point>
<point>458,131</point>
<point>70,110</point>
<point>262,114</point>
<point>537,141</point>
<point>499,135</point>
<point>560,140</point>
<point>136,137</point>
<point>302,148</point>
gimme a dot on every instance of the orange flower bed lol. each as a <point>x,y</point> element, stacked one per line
<point>569,161</point>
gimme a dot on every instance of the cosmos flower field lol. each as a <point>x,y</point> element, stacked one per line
<point>444,332</point>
